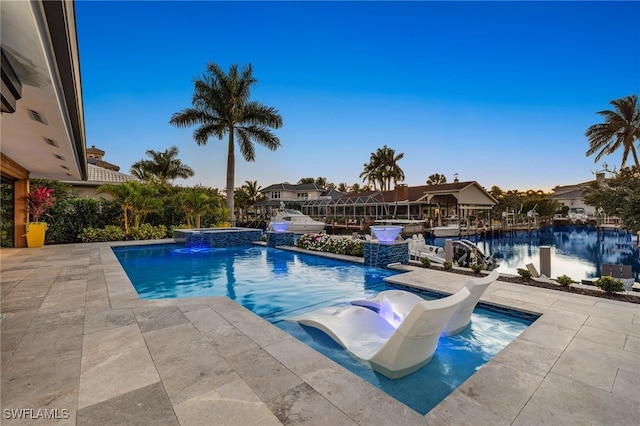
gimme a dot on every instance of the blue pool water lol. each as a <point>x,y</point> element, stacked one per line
<point>277,284</point>
<point>576,251</point>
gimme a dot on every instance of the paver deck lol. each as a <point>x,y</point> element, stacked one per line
<point>78,344</point>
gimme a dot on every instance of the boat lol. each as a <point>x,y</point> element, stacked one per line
<point>451,229</point>
<point>465,253</point>
<point>577,215</point>
<point>299,223</point>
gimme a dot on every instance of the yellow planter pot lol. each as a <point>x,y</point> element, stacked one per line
<point>35,234</point>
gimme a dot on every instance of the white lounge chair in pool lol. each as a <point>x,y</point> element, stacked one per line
<point>403,301</point>
<point>370,339</point>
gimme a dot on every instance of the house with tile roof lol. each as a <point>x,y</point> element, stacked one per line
<point>99,172</point>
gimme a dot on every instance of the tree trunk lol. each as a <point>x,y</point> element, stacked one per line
<point>231,170</point>
<point>635,158</point>
<point>126,221</point>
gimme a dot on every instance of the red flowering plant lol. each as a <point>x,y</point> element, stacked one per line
<point>40,199</point>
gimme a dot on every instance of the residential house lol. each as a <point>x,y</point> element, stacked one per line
<point>293,196</point>
<point>572,196</point>
<point>99,172</point>
<point>424,202</point>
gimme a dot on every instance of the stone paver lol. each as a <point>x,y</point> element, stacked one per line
<point>76,339</point>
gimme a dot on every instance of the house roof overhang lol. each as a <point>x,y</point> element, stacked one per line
<point>45,134</point>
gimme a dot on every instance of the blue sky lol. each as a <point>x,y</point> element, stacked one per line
<point>497,92</point>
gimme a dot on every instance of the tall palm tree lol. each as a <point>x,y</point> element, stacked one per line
<point>371,173</point>
<point>161,167</point>
<point>383,168</point>
<point>621,129</point>
<point>392,171</point>
<point>222,106</point>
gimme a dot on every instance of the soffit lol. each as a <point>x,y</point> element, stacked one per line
<point>27,44</point>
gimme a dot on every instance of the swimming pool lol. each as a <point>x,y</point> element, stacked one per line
<point>277,284</point>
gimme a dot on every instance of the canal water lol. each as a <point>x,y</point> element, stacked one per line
<point>576,251</point>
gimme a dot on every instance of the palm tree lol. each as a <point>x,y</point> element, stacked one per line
<point>132,197</point>
<point>253,191</point>
<point>222,106</point>
<point>371,173</point>
<point>436,179</point>
<point>194,203</point>
<point>621,129</point>
<point>383,168</point>
<point>162,167</point>
<point>342,187</point>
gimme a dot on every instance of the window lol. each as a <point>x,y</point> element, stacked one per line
<point>275,195</point>
<point>302,196</point>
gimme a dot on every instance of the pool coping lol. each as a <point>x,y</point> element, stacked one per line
<point>209,360</point>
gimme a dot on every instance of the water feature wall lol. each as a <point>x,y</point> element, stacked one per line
<point>380,255</point>
<point>219,237</point>
<point>279,239</point>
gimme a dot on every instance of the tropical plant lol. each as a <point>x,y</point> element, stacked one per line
<point>436,179</point>
<point>383,168</point>
<point>133,197</point>
<point>195,203</point>
<point>144,200</point>
<point>426,262</point>
<point>39,200</point>
<point>162,167</point>
<point>342,187</point>
<point>619,197</point>
<point>621,129</point>
<point>447,265</point>
<point>222,106</point>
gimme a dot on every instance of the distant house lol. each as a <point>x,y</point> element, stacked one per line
<point>99,172</point>
<point>424,202</point>
<point>572,196</point>
<point>293,195</point>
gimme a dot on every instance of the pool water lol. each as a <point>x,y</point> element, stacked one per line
<point>271,283</point>
<point>277,284</point>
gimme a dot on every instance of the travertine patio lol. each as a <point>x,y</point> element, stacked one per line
<point>77,341</point>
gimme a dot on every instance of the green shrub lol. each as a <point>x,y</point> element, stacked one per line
<point>477,267</point>
<point>149,232</point>
<point>97,235</point>
<point>426,262</point>
<point>609,284</point>
<point>564,280</point>
<point>525,274</point>
<point>447,265</point>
